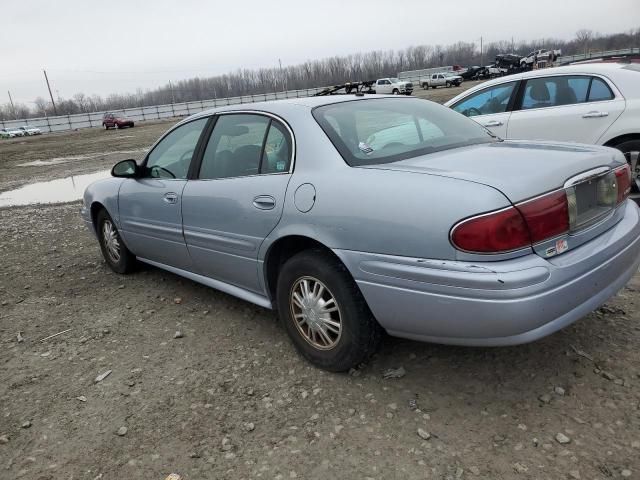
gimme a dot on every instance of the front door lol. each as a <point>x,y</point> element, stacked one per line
<point>489,107</point>
<point>150,207</point>
<point>567,108</point>
<point>238,196</point>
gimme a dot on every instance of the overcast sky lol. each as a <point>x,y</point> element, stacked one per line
<point>118,45</point>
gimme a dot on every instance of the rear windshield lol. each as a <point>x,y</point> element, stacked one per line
<point>373,131</point>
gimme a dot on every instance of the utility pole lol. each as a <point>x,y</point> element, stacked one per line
<point>55,110</point>
<point>284,84</point>
<point>13,108</point>
<point>481,57</point>
<point>173,98</point>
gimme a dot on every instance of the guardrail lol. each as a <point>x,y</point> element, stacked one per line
<point>595,55</point>
<point>155,112</point>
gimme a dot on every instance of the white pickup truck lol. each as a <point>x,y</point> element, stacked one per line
<point>443,79</point>
<point>392,86</point>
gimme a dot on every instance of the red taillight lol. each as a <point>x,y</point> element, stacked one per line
<point>514,227</point>
<point>623,182</point>
<point>500,231</point>
<point>546,216</point>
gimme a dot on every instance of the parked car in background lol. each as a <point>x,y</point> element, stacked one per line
<point>112,120</point>
<point>6,133</point>
<point>351,215</point>
<point>588,103</point>
<point>442,79</point>
<point>11,132</point>
<point>30,130</point>
<point>393,86</point>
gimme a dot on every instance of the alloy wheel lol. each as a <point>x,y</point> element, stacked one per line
<point>633,158</point>
<point>111,240</point>
<point>316,313</point>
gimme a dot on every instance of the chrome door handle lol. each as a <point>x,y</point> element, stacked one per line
<point>595,115</point>
<point>264,202</point>
<point>494,123</point>
<point>170,197</point>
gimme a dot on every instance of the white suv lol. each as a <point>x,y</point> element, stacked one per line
<point>589,103</point>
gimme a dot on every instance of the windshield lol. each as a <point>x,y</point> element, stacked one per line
<point>374,131</point>
<point>394,80</point>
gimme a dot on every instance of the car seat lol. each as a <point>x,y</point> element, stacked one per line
<point>540,94</point>
<point>565,95</point>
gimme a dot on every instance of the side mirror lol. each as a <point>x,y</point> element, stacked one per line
<point>125,169</point>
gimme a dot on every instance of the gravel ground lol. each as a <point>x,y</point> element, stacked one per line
<point>207,386</point>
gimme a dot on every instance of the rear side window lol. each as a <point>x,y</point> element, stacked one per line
<point>555,91</point>
<point>599,91</point>
<point>376,131</point>
<point>485,102</point>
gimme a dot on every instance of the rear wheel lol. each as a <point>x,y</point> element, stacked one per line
<point>631,151</point>
<point>396,91</point>
<point>324,312</point>
<point>448,84</point>
<point>114,251</point>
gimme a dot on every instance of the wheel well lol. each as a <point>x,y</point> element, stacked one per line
<point>622,138</point>
<point>95,209</point>
<point>281,251</point>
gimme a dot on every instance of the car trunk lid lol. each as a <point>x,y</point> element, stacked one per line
<point>523,171</point>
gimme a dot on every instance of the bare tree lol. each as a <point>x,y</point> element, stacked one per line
<point>584,37</point>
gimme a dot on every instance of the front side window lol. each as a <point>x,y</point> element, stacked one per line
<point>246,144</point>
<point>387,130</point>
<point>172,156</point>
<point>555,91</point>
<point>488,101</point>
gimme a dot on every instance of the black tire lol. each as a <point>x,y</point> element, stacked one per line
<point>126,260</point>
<point>117,126</point>
<point>395,91</point>
<point>448,84</point>
<point>627,148</point>
<point>105,126</point>
<point>360,334</point>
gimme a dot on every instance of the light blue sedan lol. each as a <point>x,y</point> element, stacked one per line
<point>355,215</point>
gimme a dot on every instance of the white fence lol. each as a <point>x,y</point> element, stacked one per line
<point>155,112</point>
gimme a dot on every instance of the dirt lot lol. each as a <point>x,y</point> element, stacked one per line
<point>231,399</point>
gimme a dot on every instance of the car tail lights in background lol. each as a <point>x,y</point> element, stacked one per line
<point>543,218</point>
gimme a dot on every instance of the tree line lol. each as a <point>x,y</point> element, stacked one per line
<point>316,73</point>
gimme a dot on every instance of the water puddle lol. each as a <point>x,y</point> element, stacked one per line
<point>73,158</point>
<point>62,190</point>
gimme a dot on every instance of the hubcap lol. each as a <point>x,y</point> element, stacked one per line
<point>634,160</point>
<point>315,313</point>
<point>111,241</point>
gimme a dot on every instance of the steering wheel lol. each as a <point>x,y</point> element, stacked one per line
<point>472,112</point>
<point>186,156</point>
<point>392,145</point>
<point>161,169</point>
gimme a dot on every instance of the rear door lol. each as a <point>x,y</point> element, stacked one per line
<point>150,207</point>
<point>238,196</point>
<point>490,107</point>
<point>568,108</point>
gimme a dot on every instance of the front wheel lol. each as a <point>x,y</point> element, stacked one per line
<point>631,151</point>
<point>324,313</point>
<point>114,251</point>
<point>396,91</point>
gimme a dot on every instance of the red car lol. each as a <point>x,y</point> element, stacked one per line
<point>111,120</point>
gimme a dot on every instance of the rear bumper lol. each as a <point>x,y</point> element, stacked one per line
<point>496,303</point>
